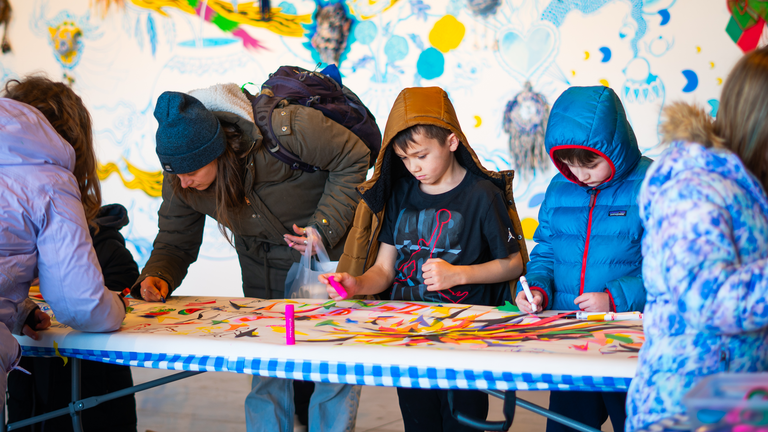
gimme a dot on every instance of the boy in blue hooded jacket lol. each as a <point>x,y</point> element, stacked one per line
<point>588,253</point>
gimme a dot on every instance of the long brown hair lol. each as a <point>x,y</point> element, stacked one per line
<point>742,117</point>
<point>67,114</point>
<point>229,187</point>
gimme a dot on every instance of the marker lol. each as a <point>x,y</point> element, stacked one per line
<point>528,294</point>
<point>290,332</point>
<point>337,286</point>
<point>585,315</point>
<point>611,316</point>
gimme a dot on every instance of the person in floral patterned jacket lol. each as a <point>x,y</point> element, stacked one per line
<point>705,248</point>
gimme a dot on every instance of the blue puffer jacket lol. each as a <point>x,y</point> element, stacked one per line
<point>589,237</point>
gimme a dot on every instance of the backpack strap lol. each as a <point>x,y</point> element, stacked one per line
<point>263,106</point>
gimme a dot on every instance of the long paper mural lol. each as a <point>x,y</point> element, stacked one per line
<point>503,63</point>
<point>383,323</point>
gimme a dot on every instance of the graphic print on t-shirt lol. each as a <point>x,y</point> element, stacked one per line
<point>421,235</point>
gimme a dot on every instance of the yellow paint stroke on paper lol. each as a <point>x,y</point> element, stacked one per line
<point>206,329</point>
<point>604,82</point>
<point>281,330</point>
<point>529,227</point>
<point>163,318</point>
<point>478,121</point>
<point>446,310</point>
<point>698,49</point>
<point>719,81</point>
<point>247,13</point>
<point>586,55</point>
<point>58,354</point>
<point>573,73</point>
<point>151,182</point>
<point>711,65</point>
<point>367,9</point>
<point>447,33</point>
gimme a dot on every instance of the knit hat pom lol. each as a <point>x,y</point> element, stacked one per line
<point>189,136</point>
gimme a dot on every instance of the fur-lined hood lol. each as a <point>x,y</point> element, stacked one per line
<point>415,106</point>
<point>690,123</point>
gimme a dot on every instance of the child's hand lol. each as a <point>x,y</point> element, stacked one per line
<point>439,275</point>
<point>594,302</point>
<point>36,320</point>
<point>522,302</point>
<point>344,279</point>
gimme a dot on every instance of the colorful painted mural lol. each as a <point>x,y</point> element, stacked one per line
<point>382,323</point>
<point>120,55</point>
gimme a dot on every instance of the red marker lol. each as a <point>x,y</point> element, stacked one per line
<point>290,332</point>
<point>337,286</point>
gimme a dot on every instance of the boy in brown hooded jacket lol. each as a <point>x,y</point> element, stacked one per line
<point>447,232</point>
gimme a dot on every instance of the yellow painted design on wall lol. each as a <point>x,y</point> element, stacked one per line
<point>247,13</point>
<point>367,9</point>
<point>604,82</point>
<point>151,182</point>
<point>529,227</point>
<point>478,121</point>
<point>447,33</point>
<point>66,41</point>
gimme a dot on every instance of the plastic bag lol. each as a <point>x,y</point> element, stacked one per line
<point>301,281</point>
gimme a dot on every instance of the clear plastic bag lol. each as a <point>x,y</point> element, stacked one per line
<point>301,281</point>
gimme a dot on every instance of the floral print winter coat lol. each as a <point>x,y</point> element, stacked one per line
<point>705,267</point>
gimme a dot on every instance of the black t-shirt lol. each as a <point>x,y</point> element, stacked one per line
<point>464,226</point>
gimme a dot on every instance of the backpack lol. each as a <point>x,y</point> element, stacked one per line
<point>316,90</point>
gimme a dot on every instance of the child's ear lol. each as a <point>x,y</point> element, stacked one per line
<point>453,142</point>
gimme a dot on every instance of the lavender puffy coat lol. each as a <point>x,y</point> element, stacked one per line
<point>43,233</point>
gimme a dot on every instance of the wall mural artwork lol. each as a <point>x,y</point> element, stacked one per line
<point>503,63</point>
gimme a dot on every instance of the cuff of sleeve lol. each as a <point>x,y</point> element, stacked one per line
<point>610,298</point>
<point>24,309</point>
<point>136,288</point>
<point>330,231</point>
<point>544,293</point>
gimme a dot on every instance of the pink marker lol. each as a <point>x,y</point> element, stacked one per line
<point>290,332</point>
<point>337,286</point>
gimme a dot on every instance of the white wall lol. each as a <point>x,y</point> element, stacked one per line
<point>128,56</point>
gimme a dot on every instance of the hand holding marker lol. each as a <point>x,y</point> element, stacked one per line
<point>528,295</point>
<point>337,286</point>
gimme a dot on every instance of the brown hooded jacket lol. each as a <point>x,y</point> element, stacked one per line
<point>414,106</point>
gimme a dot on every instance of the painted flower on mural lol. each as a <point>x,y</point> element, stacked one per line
<point>66,39</point>
<point>66,33</point>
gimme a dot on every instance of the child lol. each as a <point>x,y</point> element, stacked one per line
<point>588,253</point>
<point>48,388</point>
<point>445,231</point>
<point>47,178</point>
<point>705,214</point>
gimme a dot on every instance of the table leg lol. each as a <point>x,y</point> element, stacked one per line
<point>546,413</point>
<point>76,405</point>
<point>81,404</point>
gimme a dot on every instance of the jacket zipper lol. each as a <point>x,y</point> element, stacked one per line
<point>592,201</point>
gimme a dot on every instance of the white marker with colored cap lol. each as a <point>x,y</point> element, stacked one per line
<point>528,294</point>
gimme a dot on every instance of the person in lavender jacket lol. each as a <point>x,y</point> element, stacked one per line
<point>47,179</point>
<point>705,248</point>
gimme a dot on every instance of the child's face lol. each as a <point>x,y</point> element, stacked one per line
<point>592,174</point>
<point>427,159</point>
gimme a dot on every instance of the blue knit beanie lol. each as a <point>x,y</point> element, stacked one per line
<point>189,136</point>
